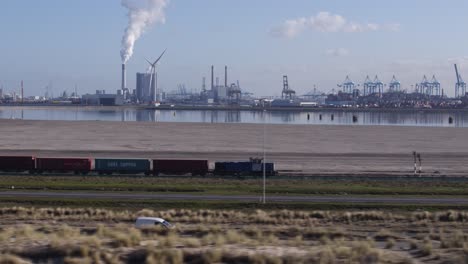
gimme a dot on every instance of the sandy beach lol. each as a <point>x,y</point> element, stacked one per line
<point>301,148</point>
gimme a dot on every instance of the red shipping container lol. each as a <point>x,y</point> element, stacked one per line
<point>63,164</point>
<point>180,167</point>
<point>12,163</point>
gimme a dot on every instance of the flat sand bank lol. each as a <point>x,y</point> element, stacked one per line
<point>314,149</point>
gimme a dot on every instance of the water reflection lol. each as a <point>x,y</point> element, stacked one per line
<point>460,119</point>
<point>233,117</point>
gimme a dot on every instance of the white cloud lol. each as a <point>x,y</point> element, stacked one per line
<point>339,52</point>
<point>326,22</point>
<point>392,27</point>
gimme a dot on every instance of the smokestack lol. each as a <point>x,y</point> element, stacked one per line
<point>212,77</point>
<point>124,77</point>
<point>22,92</point>
<point>225,77</point>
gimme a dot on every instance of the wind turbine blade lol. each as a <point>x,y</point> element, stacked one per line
<point>149,62</point>
<point>160,57</point>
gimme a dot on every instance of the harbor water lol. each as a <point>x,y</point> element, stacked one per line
<point>325,117</point>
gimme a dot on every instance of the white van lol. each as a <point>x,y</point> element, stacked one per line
<point>146,222</point>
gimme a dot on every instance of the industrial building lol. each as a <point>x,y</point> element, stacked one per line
<point>145,87</point>
<point>221,94</point>
<point>101,98</point>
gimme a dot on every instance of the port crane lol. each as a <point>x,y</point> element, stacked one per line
<point>235,93</point>
<point>460,86</point>
<point>287,92</point>
<point>348,86</point>
<point>394,85</point>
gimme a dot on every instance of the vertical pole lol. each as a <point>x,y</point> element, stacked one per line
<point>22,92</point>
<point>264,157</point>
<point>212,77</point>
<point>226,76</point>
<point>420,164</point>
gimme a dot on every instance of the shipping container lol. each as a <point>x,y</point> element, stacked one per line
<point>122,166</point>
<point>76,165</point>
<point>180,167</point>
<point>17,164</point>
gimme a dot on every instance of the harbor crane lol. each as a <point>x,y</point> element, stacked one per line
<point>394,85</point>
<point>348,86</point>
<point>287,92</point>
<point>460,86</point>
<point>436,86</point>
<point>235,93</point>
<point>431,88</point>
<point>373,87</point>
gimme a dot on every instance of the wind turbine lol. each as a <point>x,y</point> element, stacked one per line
<point>153,73</point>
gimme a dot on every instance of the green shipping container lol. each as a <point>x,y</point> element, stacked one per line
<point>122,165</point>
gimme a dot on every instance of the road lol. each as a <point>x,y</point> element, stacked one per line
<point>238,198</point>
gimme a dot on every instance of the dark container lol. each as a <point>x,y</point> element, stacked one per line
<point>77,165</point>
<point>19,164</point>
<point>233,168</point>
<point>243,168</point>
<point>270,169</point>
<point>122,166</point>
<point>257,168</point>
<point>180,167</point>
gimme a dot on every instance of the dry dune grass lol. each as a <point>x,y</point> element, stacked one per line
<point>273,217</point>
<point>74,235</point>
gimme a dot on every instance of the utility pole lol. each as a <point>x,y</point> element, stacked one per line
<point>264,157</point>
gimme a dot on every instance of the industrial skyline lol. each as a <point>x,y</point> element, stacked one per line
<point>316,44</point>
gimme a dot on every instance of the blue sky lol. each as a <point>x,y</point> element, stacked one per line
<point>77,42</point>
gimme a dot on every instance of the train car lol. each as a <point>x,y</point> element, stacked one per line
<point>257,169</point>
<point>232,168</point>
<point>247,168</point>
<point>17,163</point>
<point>122,166</point>
<point>180,167</point>
<point>76,165</point>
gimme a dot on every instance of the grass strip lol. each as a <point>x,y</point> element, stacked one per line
<point>233,186</point>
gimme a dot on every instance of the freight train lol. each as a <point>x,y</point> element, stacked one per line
<point>156,167</point>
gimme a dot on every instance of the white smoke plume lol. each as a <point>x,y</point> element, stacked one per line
<point>141,15</point>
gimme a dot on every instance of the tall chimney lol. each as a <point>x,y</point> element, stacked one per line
<point>212,77</point>
<point>124,77</point>
<point>225,77</point>
<point>22,92</point>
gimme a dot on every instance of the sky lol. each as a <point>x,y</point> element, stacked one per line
<point>317,43</point>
